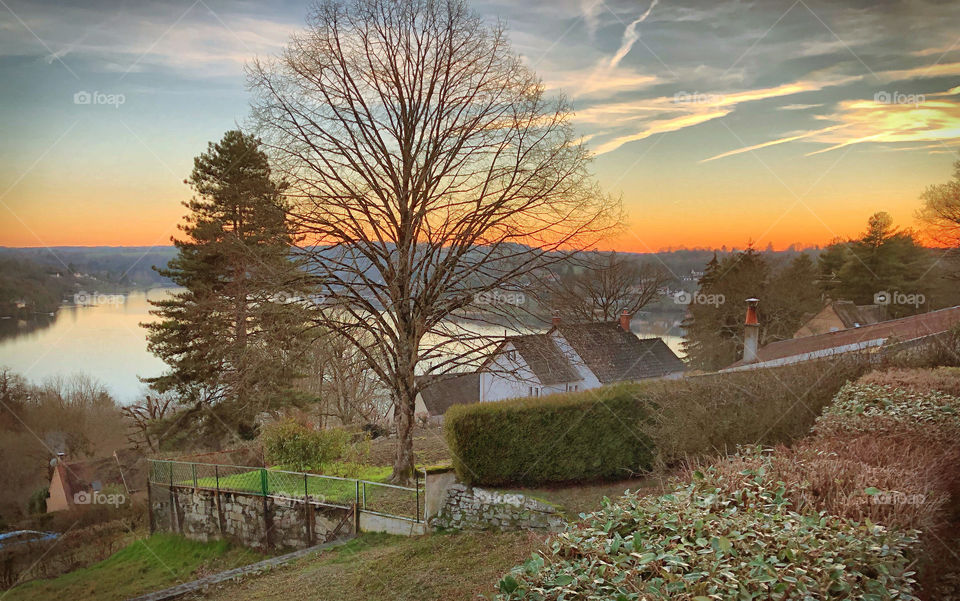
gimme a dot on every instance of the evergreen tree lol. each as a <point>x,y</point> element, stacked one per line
<point>883,260</point>
<point>714,323</point>
<point>230,337</point>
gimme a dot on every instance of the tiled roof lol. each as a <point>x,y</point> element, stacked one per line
<point>614,355</point>
<point>858,315</point>
<point>442,392</point>
<point>545,359</point>
<point>903,329</point>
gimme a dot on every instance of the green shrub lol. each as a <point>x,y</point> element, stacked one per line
<point>563,437</point>
<point>300,448</point>
<point>610,432</point>
<point>37,503</point>
<point>711,540</point>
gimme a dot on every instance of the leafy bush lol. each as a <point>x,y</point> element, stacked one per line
<point>301,448</point>
<point>613,431</point>
<point>717,539</point>
<point>574,436</point>
<point>37,503</point>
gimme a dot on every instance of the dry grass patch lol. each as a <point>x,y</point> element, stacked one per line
<point>375,566</point>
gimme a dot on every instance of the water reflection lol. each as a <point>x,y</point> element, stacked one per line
<point>105,341</point>
<point>102,340</point>
<point>12,327</point>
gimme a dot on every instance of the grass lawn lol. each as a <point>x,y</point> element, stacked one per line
<point>146,565</point>
<point>377,566</point>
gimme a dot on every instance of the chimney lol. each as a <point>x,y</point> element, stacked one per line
<point>625,321</point>
<point>751,332</point>
<point>555,319</point>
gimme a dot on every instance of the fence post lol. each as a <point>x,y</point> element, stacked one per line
<point>193,471</point>
<point>356,509</point>
<point>267,518</point>
<point>416,488</point>
<point>150,502</point>
<point>308,511</point>
<point>363,496</point>
<point>216,475</point>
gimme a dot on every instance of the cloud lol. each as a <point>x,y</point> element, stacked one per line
<point>867,121</point>
<point>630,37</point>
<point>799,107</point>
<point>772,143</point>
<point>661,126</point>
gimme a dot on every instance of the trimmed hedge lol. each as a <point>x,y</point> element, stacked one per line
<point>556,438</point>
<point>614,431</point>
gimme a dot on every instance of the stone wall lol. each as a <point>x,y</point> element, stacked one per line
<point>263,523</point>
<point>470,508</point>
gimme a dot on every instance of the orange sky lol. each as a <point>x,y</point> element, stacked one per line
<point>718,123</point>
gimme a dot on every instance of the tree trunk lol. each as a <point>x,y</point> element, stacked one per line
<point>403,464</point>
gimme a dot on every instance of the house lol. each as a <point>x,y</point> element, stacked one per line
<point>841,315</point>
<point>565,358</point>
<point>77,482</point>
<point>914,330</point>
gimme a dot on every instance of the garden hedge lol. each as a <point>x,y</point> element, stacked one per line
<point>557,438</point>
<point>615,431</point>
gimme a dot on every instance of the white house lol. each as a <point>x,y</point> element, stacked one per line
<point>568,357</point>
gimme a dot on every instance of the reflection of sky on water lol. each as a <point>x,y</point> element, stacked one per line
<point>105,341</point>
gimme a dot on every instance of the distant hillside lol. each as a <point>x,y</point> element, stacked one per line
<point>115,268</point>
<point>27,287</point>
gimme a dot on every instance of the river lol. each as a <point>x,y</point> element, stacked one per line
<point>104,340</point>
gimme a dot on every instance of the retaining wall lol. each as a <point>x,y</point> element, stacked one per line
<point>263,523</point>
<point>471,508</point>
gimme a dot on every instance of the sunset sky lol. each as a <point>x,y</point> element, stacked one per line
<point>719,122</point>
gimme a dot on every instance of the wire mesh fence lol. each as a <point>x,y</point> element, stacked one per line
<point>375,497</point>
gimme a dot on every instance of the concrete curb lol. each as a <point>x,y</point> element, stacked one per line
<point>197,585</point>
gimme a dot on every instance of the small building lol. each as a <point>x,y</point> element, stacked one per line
<point>566,358</point>
<point>915,330</point>
<point>841,315</point>
<point>78,482</point>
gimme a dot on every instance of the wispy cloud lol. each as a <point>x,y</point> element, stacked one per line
<point>630,37</point>
<point>799,107</point>
<point>773,143</point>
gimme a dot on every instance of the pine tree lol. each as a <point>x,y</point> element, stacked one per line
<point>714,323</point>
<point>883,260</point>
<point>230,337</point>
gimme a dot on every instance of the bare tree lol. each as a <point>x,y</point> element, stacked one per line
<point>940,214</point>
<point>428,168</point>
<point>143,417</point>
<point>341,384</point>
<point>600,286</point>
